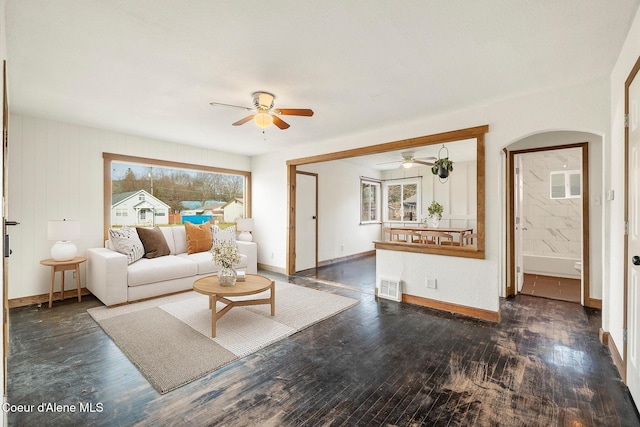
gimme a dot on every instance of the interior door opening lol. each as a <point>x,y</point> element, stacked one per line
<point>549,206</point>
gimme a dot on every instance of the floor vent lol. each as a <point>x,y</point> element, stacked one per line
<point>390,289</point>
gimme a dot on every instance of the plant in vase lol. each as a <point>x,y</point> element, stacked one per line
<point>226,255</point>
<point>435,210</point>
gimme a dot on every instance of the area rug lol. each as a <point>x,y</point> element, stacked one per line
<point>169,339</point>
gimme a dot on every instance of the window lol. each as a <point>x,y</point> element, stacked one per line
<point>402,201</point>
<point>565,185</point>
<point>174,190</point>
<point>369,201</point>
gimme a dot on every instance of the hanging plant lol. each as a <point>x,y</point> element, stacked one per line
<point>443,165</point>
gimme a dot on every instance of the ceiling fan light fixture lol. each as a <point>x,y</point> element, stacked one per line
<point>263,120</point>
<point>407,164</point>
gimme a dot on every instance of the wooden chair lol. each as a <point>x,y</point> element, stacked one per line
<point>435,237</point>
<point>468,239</point>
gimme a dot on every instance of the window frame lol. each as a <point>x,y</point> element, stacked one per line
<point>567,174</point>
<point>385,199</point>
<point>121,158</point>
<point>378,200</point>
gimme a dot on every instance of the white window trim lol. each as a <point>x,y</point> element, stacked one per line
<point>378,186</point>
<point>567,184</point>
<point>385,199</point>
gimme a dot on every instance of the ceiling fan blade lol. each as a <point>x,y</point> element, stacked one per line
<point>422,163</point>
<point>219,104</point>
<point>243,121</point>
<point>280,123</point>
<point>426,158</point>
<point>294,112</point>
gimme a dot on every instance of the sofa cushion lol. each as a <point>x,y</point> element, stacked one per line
<point>168,236</point>
<point>180,239</point>
<point>151,270</point>
<point>155,245</point>
<point>126,241</point>
<point>205,263</point>
<point>198,237</point>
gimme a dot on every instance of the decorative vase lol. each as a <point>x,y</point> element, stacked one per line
<point>227,276</point>
<point>433,221</point>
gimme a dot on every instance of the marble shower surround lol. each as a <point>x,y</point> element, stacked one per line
<point>554,226</point>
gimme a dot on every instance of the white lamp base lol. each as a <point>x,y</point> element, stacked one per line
<point>63,251</point>
<point>245,236</point>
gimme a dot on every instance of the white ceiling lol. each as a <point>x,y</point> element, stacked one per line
<point>151,67</point>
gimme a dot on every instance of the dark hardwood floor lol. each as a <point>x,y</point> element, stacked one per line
<point>378,363</point>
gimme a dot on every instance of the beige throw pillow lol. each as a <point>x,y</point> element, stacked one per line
<point>125,240</point>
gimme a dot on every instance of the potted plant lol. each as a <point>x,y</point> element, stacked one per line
<point>435,210</point>
<point>442,167</point>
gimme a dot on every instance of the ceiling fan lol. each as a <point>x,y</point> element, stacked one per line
<point>407,160</point>
<point>263,112</point>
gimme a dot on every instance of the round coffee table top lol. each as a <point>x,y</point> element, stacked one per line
<point>252,284</point>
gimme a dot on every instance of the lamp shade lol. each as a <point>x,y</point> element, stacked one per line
<point>244,224</point>
<point>263,120</point>
<point>245,227</point>
<point>63,230</point>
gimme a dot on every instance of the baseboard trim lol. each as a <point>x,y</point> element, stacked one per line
<point>478,313</point>
<point>604,337</point>
<point>617,359</point>
<point>346,258</point>
<point>594,303</point>
<point>272,268</point>
<point>39,299</point>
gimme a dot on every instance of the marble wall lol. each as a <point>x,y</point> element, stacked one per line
<point>553,226</point>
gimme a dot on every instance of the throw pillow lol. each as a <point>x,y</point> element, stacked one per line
<point>220,235</point>
<point>125,240</point>
<point>155,245</point>
<point>198,237</point>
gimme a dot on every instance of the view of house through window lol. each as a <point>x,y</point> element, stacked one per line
<point>369,201</point>
<point>145,195</point>
<point>402,200</point>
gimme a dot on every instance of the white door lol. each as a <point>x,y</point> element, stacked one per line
<point>306,221</point>
<point>633,246</point>
<point>518,189</point>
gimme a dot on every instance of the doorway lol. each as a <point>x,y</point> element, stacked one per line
<point>631,348</point>
<point>549,206</point>
<point>306,255</point>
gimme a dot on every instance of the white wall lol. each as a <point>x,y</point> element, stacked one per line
<point>581,107</point>
<point>613,295</point>
<point>56,171</point>
<point>339,231</point>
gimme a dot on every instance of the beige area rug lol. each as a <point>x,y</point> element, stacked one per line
<point>169,338</point>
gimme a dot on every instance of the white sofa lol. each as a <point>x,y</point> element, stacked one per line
<point>113,281</point>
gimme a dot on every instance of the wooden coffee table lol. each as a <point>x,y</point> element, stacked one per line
<point>253,284</point>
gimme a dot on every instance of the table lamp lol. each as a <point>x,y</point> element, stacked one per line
<point>245,227</point>
<point>62,232</point>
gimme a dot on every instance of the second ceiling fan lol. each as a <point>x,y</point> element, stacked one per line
<point>263,112</point>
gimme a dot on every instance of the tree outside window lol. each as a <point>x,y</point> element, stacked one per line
<point>402,201</point>
<point>369,201</point>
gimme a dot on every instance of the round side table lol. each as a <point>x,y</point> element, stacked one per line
<point>62,266</point>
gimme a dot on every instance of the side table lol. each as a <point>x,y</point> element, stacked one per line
<point>62,266</point>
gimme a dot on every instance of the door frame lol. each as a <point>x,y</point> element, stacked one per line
<point>587,301</point>
<point>623,365</point>
<point>315,175</point>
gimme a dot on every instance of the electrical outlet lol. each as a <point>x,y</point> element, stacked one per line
<point>431,283</point>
